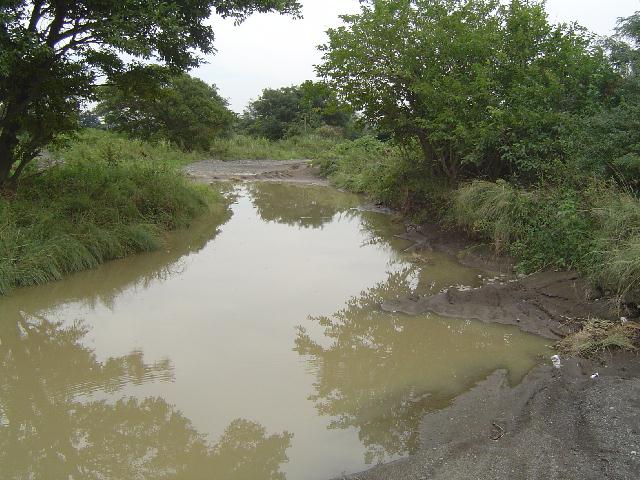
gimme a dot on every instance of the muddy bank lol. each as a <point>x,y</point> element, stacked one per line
<point>550,304</point>
<point>557,424</point>
<point>291,171</point>
<point>454,242</point>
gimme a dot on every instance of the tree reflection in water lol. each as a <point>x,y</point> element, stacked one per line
<point>51,425</point>
<point>380,373</point>
<point>298,205</point>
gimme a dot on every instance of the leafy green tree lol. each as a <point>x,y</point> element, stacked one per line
<point>609,140</point>
<point>294,110</point>
<point>270,115</point>
<point>545,78</point>
<point>89,119</point>
<point>53,52</point>
<point>479,86</point>
<point>180,108</point>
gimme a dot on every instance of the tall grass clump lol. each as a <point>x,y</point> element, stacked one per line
<point>79,213</point>
<point>246,147</point>
<point>540,228</point>
<point>615,263</point>
<point>92,145</point>
<point>595,230</point>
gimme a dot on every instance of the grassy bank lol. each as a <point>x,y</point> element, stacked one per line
<point>104,198</point>
<point>594,227</point>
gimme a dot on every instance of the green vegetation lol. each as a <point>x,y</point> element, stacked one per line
<point>92,145</point>
<point>109,198</point>
<point>177,108</point>
<point>104,195</point>
<point>246,147</point>
<point>520,132</point>
<point>53,52</point>
<point>480,88</point>
<point>595,230</point>
<point>297,110</point>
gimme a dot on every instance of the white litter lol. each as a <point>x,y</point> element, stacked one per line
<point>623,320</point>
<point>556,361</point>
<point>595,375</point>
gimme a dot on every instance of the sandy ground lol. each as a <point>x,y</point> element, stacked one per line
<point>558,423</point>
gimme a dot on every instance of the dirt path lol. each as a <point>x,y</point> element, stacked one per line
<point>290,171</point>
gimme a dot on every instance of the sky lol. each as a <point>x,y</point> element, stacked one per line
<point>273,51</point>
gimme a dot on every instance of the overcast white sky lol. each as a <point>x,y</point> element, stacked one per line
<point>276,51</point>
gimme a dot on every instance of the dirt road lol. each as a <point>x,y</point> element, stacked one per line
<point>291,171</point>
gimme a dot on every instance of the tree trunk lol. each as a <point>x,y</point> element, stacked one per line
<point>6,159</point>
<point>427,149</point>
<point>10,128</point>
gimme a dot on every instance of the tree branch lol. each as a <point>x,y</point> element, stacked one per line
<point>36,15</point>
<point>61,10</point>
<point>75,43</point>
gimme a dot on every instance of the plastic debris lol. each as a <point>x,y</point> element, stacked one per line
<point>623,320</point>
<point>556,361</point>
<point>595,375</point>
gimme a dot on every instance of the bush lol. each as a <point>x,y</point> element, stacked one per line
<point>388,174</point>
<point>92,208</point>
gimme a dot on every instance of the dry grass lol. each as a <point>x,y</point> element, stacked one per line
<point>599,336</point>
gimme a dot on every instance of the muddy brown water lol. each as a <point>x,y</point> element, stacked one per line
<point>251,347</point>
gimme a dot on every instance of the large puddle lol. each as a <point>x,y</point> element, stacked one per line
<point>247,350</point>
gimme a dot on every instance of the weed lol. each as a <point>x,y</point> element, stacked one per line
<point>598,336</point>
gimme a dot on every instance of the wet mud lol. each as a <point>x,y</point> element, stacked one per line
<point>289,171</point>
